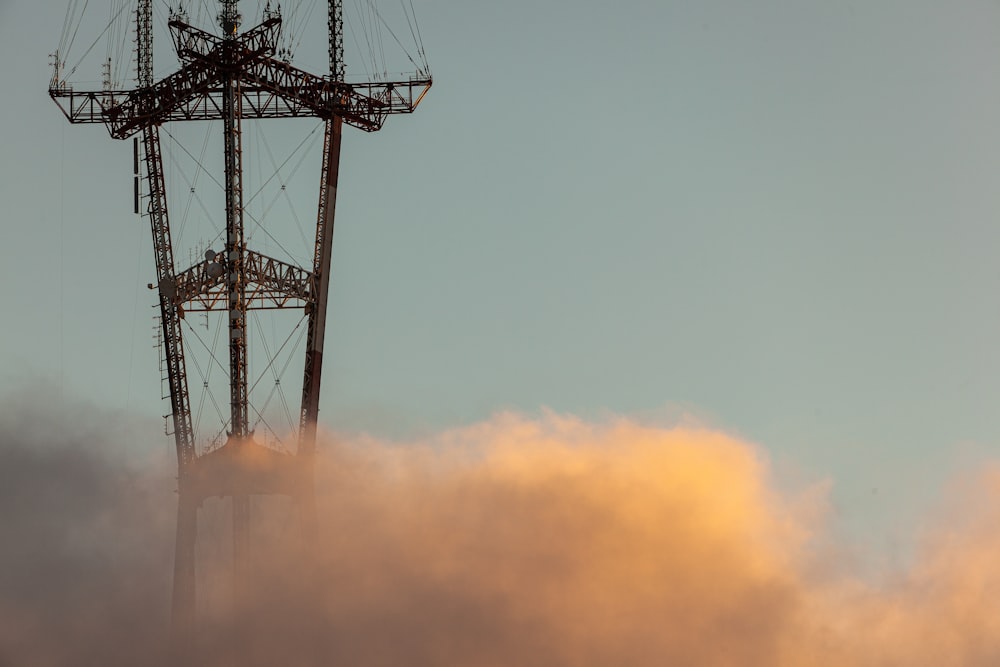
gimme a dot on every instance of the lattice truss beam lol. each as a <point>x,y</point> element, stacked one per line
<point>272,284</point>
<point>269,88</point>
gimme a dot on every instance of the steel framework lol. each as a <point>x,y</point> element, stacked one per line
<point>233,77</point>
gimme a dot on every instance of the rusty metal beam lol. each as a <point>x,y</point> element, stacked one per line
<point>271,283</point>
<point>272,89</point>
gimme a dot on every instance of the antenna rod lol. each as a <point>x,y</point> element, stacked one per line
<point>236,282</point>
<point>230,18</point>
<point>144,43</point>
<point>135,174</point>
<point>335,23</point>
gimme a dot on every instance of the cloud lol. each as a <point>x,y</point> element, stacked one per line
<point>519,541</point>
<point>555,541</point>
<point>84,560</point>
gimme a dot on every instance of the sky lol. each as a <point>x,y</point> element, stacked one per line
<point>774,218</point>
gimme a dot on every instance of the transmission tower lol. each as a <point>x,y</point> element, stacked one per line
<point>233,76</point>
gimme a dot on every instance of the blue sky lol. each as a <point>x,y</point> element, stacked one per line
<point>778,216</point>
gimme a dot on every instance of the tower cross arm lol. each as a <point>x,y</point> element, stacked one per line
<point>272,89</point>
<point>191,93</point>
<point>156,104</point>
<point>126,112</point>
<point>195,44</point>
<point>363,105</point>
<point>395,97</point>
<point>88,106</point>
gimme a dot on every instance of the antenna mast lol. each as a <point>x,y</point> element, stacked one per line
<point>335,23</point>
<point>144,43</point>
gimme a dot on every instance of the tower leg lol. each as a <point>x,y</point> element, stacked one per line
<point>317,324</point>
<point>183,605</point>
<point>183,609</point>
<point>241,548</point>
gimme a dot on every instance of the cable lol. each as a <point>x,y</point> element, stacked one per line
<point>64,33</point>
<point>83,11</point>
<point>208,392</point>
<point>192,185</point>
<point>211,354</point>
<point>420,38</point>
<point>197,162</point>
<point>357,45</point>
<point>270,366</point>
<point>208,378</point>
<point>283,190</point>
<point>288,361</point>
<point>387,27</point>
<point>274,358</point>
<point>409,23</point>
<point>89,48</point>
<point>262,228</point>
<point>294,151</point>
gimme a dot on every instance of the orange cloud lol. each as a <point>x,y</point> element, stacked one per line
<point>571,543</point>
<point>518,541</point>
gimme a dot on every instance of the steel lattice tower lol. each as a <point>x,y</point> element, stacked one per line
<point>233,77</point>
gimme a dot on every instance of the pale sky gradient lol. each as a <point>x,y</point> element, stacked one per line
<point>777,215</point>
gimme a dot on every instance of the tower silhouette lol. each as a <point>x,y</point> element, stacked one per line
<point>231,76</point>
